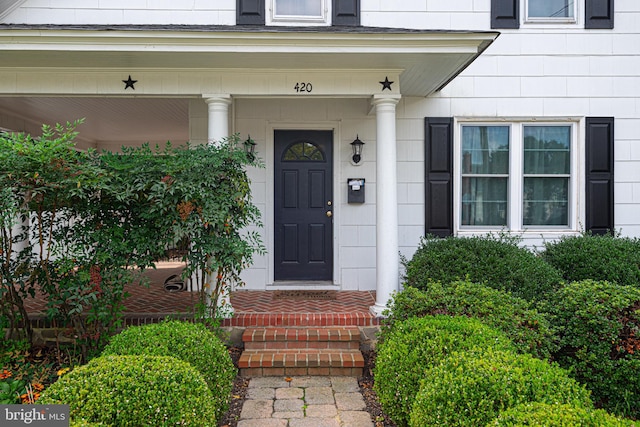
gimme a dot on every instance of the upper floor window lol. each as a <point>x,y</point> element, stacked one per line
<point>304,12</point>
<point>596,14</point>
<point>551,11</point>
<point>298,12</point>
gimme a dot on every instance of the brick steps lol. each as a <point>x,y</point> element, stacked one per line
<point>249,319</point>
<point>315,350</point>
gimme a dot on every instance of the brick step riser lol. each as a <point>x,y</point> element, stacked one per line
<point>325,350</point>
<point>283,345</point>
<point>279,372</point>
<point>251,320</point>
<point>301,358</point>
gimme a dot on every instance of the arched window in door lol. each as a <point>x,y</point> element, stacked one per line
<point>303,152</point>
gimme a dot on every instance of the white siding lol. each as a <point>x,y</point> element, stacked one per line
<point>121,12</point>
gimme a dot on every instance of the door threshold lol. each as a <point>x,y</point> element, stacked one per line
<point>307,285</point>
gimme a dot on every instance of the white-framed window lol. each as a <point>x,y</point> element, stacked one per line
<point>518,175</point>
<point>300,12</point>
<point>551,11</point>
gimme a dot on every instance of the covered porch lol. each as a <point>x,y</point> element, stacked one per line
<point>201,84</point>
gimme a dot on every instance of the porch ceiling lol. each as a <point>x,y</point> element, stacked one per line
<point>109,123</point>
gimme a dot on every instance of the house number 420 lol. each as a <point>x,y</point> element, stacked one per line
<point>303,87</point>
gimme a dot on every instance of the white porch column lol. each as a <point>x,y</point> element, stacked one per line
<point>217,130</point>
<point>218,127</point>
<point>387,256</point>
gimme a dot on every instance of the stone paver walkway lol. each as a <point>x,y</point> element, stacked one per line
<point>304,402</point>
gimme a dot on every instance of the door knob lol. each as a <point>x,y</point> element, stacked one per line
<point>329,214</point>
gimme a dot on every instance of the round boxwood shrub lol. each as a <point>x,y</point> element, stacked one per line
<point>497,261</point>
<point>417,344</point>
<point>191,342</point>
<point>135,391</point>
<point>538,414</point>
<point>596,257</point>
<point>599,335</point>
<point>472,389</point>
<point>528,329</point>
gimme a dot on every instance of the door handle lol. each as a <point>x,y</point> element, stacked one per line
<point>329,214</point>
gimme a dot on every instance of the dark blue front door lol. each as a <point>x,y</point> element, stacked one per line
<point>303,205</point>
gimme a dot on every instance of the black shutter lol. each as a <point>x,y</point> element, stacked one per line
<point>438,166</point>
<point>250,12</point>
<point>599,174</point>
<point>346,12</point>
<point>598,14</point>
<point>505,14</point>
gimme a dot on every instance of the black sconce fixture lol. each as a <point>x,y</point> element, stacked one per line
<point>356,146</point>
<point>250,148</point>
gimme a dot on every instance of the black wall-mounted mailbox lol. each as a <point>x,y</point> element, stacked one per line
<point>355,190</point>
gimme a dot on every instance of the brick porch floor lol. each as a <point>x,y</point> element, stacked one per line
<point>252,308</point>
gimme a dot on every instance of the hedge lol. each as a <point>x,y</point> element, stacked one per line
<point>135,391</point>
<point>468,389</point>
<point>599,341</point>
<point>417,344</point>
<point>496,261</point>
<point>190,342</point>
<point>528,329</point>
<point>546,415</point>
<point>595,257</point>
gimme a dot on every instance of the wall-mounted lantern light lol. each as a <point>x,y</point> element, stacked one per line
<point>250,148</point>
<point>356,147</point>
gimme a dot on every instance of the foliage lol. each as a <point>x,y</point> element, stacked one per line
<point>599,338</point>
<point>596,257</point>
<point>497,261</point>
<point>79,225</point>
<point>468,389</point>
<point>135,391</point>
<point>543,415</point>
<point>528,329</point>
<point>10,389</point>
<point>192,343</point>
<point>200,194</point>
<point>417,344</point>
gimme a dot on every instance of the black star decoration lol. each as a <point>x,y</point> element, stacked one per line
<point>386,84</point>
<point>129,83</point>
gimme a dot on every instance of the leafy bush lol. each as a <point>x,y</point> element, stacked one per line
<point>190,342</point>
<point>135,391</point>
<point>607,257</point>
<point>497,261</point>
<point>417,344</point>
<point>85,423</point>
<point>599,337</point>
<point>528,329</point>
<point>543,415</point>
<point>471,389</point>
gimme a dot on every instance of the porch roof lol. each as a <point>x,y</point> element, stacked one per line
<point>425,59</point>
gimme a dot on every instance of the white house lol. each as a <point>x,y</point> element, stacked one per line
<point>476,115</point>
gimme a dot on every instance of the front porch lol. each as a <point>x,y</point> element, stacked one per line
<point>281,335</point>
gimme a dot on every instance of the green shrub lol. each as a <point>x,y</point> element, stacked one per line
<point>529,330</point>
<point>471,389</point>
<point>190,342</point>
<point>497,261</point>
<point>599,336</point>
<point>84,423</point>
<point>603,258</point>
<point>545,415</point>
<point>416,345</point>
<point>135,391</point>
